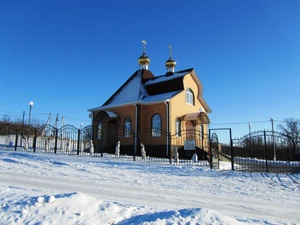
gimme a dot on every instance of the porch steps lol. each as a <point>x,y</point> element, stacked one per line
<point>223,157</point>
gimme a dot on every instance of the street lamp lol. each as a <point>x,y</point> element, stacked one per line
<point>30,107</point>
<point>27,139</point>
<point>22,133</point>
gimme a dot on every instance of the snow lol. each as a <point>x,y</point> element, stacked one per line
<point>129,92</point>
<point>160,97</point>
<point>41,188</point>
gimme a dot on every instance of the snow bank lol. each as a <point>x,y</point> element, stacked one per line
<point>78,208</point>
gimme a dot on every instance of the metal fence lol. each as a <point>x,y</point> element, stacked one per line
<point>68,139</point>
<point>259,151</point>
<point>161,147</point>
<point>266,151</point>
<point>65,140</point>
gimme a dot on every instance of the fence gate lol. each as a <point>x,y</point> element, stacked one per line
<point>68,140</point>
<point>190,146</point>
<point>214,151</point>
<point>46,140</point>
<point>85,139</point>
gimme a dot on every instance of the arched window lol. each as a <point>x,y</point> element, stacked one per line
<point>99,130</point>
<point>156,125</point>
<point>178,127</point>
<point>127,127</point>
<point>189,97</point>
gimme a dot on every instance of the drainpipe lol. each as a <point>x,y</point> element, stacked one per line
<point>167,114</point>
<point>135,131</point>
<point>91,116</point>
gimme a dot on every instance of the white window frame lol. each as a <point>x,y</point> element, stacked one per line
<point>189,96</point>
<point>178,127</point>
<point>127,127</point>
<point>156,125</point>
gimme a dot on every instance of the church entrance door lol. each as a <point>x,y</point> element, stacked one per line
<point>112,132</point>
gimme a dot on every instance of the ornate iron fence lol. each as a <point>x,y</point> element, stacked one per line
<point>258,151</point>
<point>66,140</point>
<point>47,139</point>
<point>188,147</point>
<point>263,151</point>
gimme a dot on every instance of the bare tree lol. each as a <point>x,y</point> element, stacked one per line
<point>291,130</point>
<point>5,119</point>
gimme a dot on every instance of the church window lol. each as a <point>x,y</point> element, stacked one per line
<point>189,97</point>
<point>156,125</point>
<point>178,127</point>
<point>99,130</point>
<point>127,127</point>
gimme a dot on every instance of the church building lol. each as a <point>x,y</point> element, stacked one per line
<point>164,114</point>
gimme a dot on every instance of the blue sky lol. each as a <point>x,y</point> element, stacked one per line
<point>70,56</point>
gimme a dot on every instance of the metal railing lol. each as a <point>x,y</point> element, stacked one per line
<point>261,151</point>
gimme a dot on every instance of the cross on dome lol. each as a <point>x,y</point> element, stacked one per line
<point>170,63</point>
<point>144,60</point>
<point>144,45</point>
<point>170,50</point>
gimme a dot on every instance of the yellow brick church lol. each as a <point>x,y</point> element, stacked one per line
<point>164,114</point>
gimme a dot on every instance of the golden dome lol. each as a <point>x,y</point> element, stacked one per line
<point>170,63</point>
<point>144,60</point>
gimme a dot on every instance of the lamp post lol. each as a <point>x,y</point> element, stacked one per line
<point>30,108</point>
<point>27,139</point>
<point>22,133</point>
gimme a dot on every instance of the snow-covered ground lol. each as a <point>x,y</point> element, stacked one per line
<point>40,188</point>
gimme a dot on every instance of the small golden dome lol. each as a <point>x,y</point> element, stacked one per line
<point>144,60</point>
<point>170,63</point>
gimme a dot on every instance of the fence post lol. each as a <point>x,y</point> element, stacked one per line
<point>170,147</point>
<point>210,152</point>
<point>78,142</point>
<point>231,150</point>
<point>101,148</point>
<point>266,151</point>
<point>34,140</point>
<point>55,143</point>
<point>16,141</point>
<point>135,145</point>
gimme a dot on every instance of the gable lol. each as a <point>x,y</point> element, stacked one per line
<point>200,91</point>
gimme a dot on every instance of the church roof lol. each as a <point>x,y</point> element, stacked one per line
<point>131,91</point>
<point>144,88</point>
